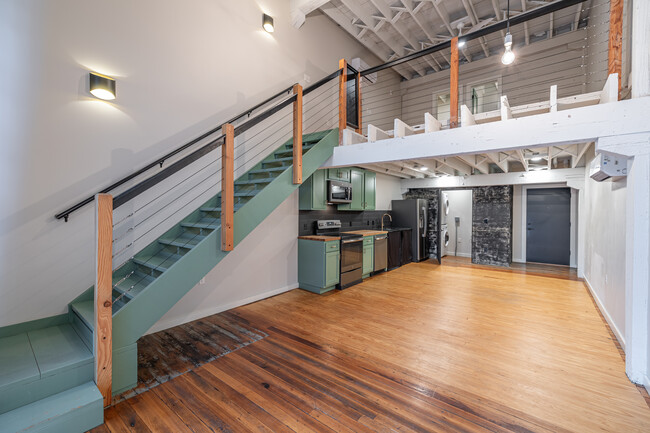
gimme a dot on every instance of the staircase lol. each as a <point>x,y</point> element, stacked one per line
<point>47,367</point>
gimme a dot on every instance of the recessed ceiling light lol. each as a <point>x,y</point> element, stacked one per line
<point>536,159</point>
<point>423,168</point>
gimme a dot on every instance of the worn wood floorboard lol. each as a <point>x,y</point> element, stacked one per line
<point>423,348</point>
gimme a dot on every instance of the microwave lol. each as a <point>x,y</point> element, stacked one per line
<point>339,192</point>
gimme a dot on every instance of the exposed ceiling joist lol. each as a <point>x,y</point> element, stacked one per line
<point>526,33</point>
<point>520,156</point>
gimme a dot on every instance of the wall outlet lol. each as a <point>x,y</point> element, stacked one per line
<point>202,281</point>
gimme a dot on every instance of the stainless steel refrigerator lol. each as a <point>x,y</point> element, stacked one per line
<point>413,213</point>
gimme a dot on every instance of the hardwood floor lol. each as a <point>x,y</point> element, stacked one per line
<point>420,349</point>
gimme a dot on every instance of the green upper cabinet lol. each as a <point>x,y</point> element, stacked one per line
<point>342,174</point>
<point>363,190</point>
<point>370,190</point>
<point>313,192</point>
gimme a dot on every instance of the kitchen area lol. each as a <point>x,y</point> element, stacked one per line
<point>347,231</point>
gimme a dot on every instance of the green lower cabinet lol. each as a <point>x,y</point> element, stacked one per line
<point>318,265</point>
<point>368,255</point>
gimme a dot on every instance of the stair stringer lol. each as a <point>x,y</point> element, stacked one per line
<point>142,312</point>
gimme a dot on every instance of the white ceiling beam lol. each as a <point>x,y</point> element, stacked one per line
<point>477,161</point>
<point>380,51</point>
<point>469,8</point>
<point>408,5</point>
<point>498,14</point>
<point>526,33</point>
<point>457,164</point>
<point>576,159</point>
<point>514,178</point>
<point>397,168</point>
<point>549,158</point>
<point>301,8</point>
<point>377,169</point>
<point>520,156</point>
<point>499,160</point>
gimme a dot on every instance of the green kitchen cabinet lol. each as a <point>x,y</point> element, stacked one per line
<point>342,174</point>
<point>363,190</point>
<point>368,255</point>
<point>313,192</point>
<point>369,190</point>
<point>318,265</point>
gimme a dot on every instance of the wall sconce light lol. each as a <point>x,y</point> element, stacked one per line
<point>102,87</point>
<point>267,23</point>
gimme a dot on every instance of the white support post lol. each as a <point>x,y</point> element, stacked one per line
<point>506,112</point>
<point>637,262</point>
<point>431,124</point>
<point>610,90</point>
<point>375,134</point>
<point>401,129</point>
<point>466,117</point>
<point>553,99</point>
<point>352,137</point>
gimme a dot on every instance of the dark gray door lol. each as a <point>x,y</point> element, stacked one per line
<point>548,225</point>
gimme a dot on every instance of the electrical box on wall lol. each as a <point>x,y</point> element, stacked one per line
<point>604,166</point>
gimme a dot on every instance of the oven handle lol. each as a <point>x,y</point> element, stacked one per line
<point>352,240</point>
<point>381,238</point>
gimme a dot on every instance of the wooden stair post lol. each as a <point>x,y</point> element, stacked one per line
<point>360,128</point>
<point>343,113</point>
<point>615,46</point>
<point>453,85</point>
<point>297,135</point>
<point>227,187</point>
<point>103,330</point>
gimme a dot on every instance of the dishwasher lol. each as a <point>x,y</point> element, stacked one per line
<point>381,253</point>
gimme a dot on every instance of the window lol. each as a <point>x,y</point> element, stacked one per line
<point>484,96</point>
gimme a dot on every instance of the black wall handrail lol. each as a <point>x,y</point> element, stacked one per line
<point>501,25</point>
<point>188,159</point>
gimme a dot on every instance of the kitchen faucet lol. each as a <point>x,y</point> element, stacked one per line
<point>382,220</point>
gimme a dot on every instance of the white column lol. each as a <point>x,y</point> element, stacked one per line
<point>637,263</point>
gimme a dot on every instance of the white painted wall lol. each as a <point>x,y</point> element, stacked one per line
<point>460,205</point>
<point>389,188</point>
<point>604,261</point>
<point>181,68</point>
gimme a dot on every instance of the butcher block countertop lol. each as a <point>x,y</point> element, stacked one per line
<point>320,238</point>
<point>368,232</point>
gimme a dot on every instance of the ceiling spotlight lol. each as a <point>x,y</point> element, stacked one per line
<point>508,55</point>
<point>102,87</point>
<point>423,168</point>
<point>461,42</point>
<point>536,159</point>
<point>267,23</point>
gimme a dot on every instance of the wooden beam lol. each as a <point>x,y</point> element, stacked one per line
<point>549,158</point>
<point>360,127</point>
<point>228,188</point>
<point>431,124</point>
<point>401,129</point>
<point>615,51</point>
<point>580,154</point>
<point>522,159</point>
<point>103,326</point>
<point>297,135</point>
<point>611,89</point>
<point>453,85</point>
<point>343,66</point>
<point>553,99</point>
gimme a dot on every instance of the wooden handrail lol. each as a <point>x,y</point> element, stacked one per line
<point>343,66</point>
<point>227,188</point>
<point>103,329</point>
<point>453,85</point>
<point>297,135</point>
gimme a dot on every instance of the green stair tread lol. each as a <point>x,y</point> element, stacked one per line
<point>74,410</point>
<point>246,194</point>
<point>161,261</point>
<point>254,181</point>
<point>86,311</point>
<point>269,170</point>
<point>134,284</point>
<point>17,362</point>
<point>211,224</point>
<point>186,240</point>
<point>218,208</point>
<point>58,348</point>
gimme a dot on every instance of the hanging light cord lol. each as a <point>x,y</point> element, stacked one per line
<point>508,17</point>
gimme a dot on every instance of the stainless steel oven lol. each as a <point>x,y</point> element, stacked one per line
<point>339,192</point>
<point>351,260</point>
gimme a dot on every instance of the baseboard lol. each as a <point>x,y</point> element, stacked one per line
<point>608,318</point>
<point>195,315</point>
<point>646,383</point>
<point>518,260</point>
<point>451,253</point>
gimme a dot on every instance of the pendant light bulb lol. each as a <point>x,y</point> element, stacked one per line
<point>508,56</point>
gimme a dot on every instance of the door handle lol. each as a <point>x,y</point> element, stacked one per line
<point>530,228</point>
